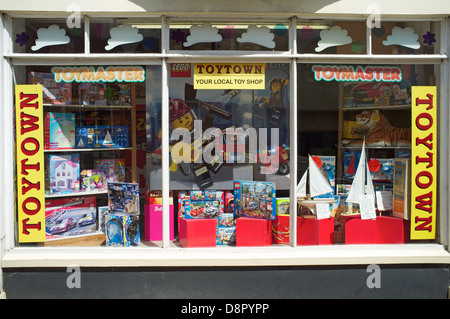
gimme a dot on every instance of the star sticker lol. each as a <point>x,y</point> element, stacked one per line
<point>429,38</point>
<point>22,39</point>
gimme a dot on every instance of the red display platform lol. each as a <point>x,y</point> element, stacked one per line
<point>280,230</point>
<point>382,230</point>
<point>312,231</point>
<point>253,232</point>
<point>197,232</point>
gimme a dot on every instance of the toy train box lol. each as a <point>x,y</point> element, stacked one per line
<point>70,217</point>
<point>254,199</point>
<point>101,136</point>
<point>93,180</point>
<point>53,92</point>
<point>124,198</point>
<point>64,173</point>
<point>59,131</point>
<point>204,204</point>
<point>122,230</point>
<point>113,168</point>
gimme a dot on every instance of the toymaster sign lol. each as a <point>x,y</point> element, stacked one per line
<point>358,73</point>
<point>216,76</point>
<point>423,159</point>
<point>30,163</point>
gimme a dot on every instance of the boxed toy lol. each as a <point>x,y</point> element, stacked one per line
<point>283,205</point>
<point>402,188</point>
<point>64,173</point>
<point>254,199</point>
<point>226,235</point>
<point>351,161</point>
<point>59,131</point>
<point>122,230</point>
<point>92,93</point>
<point>118,94</point>
<point>93,180</point>
<point>113,168</point>
<point>351,130</point>
<point>381,169</point>
<point>124,198</point>
<point>102,211</point>
<point>101,136</point>
<point>69,217</point>
<point>153,216</point>
<point>204,204</point>
<point>53,93</point>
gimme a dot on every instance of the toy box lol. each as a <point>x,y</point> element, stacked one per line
<point>226,235</point>
<point>92,93</point>
<point>64,173</point>
<point>204,204</point>
<point>59,131</point>
<point>283,205</point>
<point>113,168</point>
<point>254,199</point>
<point>381,169</point>
<point>402,188</point>
<point>118,94</point>
<point>124,198</point>
<point>70,217</point>
<point>53,93</point>
<point>351,161</point>
<point>351,130</point>
<point>253,232</point>
<point>197,232</point>
<point>93,180</point>
<point>122,230</point>
<point>153,221</point>
<point>327,166</point>
<point>102,211</point>
<point>101,136</point>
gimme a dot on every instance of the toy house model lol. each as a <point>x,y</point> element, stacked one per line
<point>66,174</point>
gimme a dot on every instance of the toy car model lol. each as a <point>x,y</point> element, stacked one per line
<point>63,225</point>
<point>87,219</point>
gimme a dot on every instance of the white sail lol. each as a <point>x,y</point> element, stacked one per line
<point>359,180</point>
<point>318,184</point>
<point>369,184</point>
<point>301,187</point>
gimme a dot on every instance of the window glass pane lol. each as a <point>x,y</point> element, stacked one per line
<point>44,36</point>
<point>93,142</point>
<point>420,37</point>
<point>221,133</point>
<point>336,114</point>
<point>125,36</point>
<point>229,36</point>
<point>329,37</point>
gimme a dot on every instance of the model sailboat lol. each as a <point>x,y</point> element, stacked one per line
<point>318,185</point>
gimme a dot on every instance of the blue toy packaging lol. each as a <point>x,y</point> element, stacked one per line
<point>122,230</point>
<point>254,199</point>
<point>204,204</point>
<point>101,136</point>
<point>124,198</point>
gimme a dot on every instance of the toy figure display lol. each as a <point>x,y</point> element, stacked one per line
<point>234,114</point>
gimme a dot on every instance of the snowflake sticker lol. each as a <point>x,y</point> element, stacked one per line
<point>429,38</point>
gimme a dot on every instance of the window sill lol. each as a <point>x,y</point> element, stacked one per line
<point>226,256</point>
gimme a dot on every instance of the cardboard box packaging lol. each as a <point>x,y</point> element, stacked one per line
<point>59,131</point>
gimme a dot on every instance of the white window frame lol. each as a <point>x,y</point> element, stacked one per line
<point>221,256</point>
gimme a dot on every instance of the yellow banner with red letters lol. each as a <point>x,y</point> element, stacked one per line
<point>423,162</point>
<point>229,76</point>
<point>30,163</point>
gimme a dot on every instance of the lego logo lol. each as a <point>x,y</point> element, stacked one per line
<point>181,67</point>
<point>236,185</point>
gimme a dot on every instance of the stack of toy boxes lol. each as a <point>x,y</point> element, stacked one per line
<point>101,136</point>
<point>122,220</point>
<point>93,180</point>
<point>70,217</point>
<point>280,226</point>
<point>59,131</point>
<point>226,228</point>
<point>64,173</point>
<point>53,93</point>
<point>254,208</point>
<point>92,93</point>
<point>113,168</point>
<point>154,215</point>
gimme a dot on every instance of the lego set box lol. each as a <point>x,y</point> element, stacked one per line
<point>254,199</point>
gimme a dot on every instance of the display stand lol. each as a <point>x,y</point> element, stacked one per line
<point>382,230</point>
<point>153,222</point>
<point>313,231</point>
<point>197,232</point>
<point>253,232</point>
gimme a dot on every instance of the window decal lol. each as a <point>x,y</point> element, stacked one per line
<point>333,37</point>
<point>202,34</point>
<point>429,38</point>
<point>261,36</point>
<point>124,34</point>
<point>54,35</point>
<point>22,38</point>
<point>403,37</point>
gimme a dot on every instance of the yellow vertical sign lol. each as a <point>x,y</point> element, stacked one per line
<point>423,162</point>
<point>30,163</point>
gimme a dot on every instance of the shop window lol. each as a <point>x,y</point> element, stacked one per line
<point>44,36</point>
<point>326,37</point>
<point>229,36</point>
<point>125,36</point>
<point>346,113</point>
<point>406,38</point>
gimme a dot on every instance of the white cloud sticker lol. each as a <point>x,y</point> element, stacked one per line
<point>53,35</point>
<point>124,34</point>
<point>404,37</point>
<point>332,38</point>
<point>202,34</point>
<point>260,36</point>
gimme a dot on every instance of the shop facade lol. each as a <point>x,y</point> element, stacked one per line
<point>266,149</point>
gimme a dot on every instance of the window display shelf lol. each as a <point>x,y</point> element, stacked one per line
<point>81,106</point>
<point>378,107</point>
<point>88,149</point>
<point>75,194</point>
